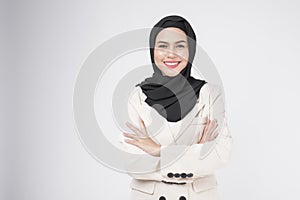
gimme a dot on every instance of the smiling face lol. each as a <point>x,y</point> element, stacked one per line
<point>171,51</point>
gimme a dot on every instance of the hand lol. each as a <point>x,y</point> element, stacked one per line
<point>209,132</point>
<point>141,139</point>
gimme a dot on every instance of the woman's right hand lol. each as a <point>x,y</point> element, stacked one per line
<point>209,131</point>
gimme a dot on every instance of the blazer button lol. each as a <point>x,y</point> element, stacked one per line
<point>190,175</point>
<point>182,198</point>
<point>183,175</point>
<point>170,175</point>
<point>162,198</point>
<point>177,175</point>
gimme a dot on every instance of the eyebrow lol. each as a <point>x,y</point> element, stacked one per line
<point>175,42</point>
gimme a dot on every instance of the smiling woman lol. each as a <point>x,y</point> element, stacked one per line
<point>193,114</point>
<point>171,51</point>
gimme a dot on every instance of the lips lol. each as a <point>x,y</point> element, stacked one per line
<point>171,64</point>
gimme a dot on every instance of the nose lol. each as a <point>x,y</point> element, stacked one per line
<point>171,54</point>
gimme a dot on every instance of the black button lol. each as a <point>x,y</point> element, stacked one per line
<point>190,175</point>
<point>182,198</point>
<point>162,198</point>
<point>170,175</point>
<point>183,175</point>
<point>177,175</point>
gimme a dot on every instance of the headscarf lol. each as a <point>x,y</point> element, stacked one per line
<point>172,97</point>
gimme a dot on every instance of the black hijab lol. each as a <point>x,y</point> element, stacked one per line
<point>172,97</point>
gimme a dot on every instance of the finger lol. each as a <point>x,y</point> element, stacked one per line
<point>132,136</point>
<point>207,121</point>
<point>134,129</point>
<point>135,143</point>
<point>144,130</point>
<point>209,131</point>
<point>132,142</point>
<point>203,137</point>
<point>206,128</point>
<point>207,125</point>
<point>212,126</point>
<point>214,136</point>
<point>204,132</point>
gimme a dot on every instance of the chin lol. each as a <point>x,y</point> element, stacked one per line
<point>171,75</point>
<point>169,72</point>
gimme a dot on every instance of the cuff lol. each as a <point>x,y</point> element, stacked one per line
<point>177,161</point>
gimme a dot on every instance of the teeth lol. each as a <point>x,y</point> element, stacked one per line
<point>172,63</point>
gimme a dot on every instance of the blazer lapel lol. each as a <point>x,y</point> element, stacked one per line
<point>157,126</point>
<point>186,133</point>
<point>165,132</point>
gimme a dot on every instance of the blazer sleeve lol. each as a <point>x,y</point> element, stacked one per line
<point>186,162</point>
<point>139,164</point>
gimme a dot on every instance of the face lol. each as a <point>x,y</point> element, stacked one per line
<point>171,51</point>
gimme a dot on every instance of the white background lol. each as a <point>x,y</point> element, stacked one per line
<point>254,45</point>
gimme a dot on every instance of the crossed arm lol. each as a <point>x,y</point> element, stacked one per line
<point>187,159</point>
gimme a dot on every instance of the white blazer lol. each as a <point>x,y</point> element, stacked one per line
<point>180,155</point>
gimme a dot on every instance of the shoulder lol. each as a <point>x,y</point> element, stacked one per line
<point>136,96</point>
<point>210,90</point>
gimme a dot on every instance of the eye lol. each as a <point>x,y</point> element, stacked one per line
<point>180,46</point>
<point>162,46</point>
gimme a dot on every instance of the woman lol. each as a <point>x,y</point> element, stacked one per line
<point>191,115</point>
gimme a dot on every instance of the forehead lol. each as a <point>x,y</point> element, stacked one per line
<point>171,34</point>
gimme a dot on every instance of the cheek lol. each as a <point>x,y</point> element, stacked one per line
<point>184,60</point>
<point>158,55</point>
<point>184,55</point>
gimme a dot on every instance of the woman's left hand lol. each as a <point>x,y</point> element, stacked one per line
<point>142,140</point>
